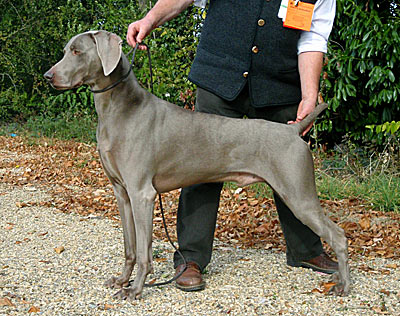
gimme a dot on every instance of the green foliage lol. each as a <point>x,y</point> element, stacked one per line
<point>361,81</point>
<point>387,127</point>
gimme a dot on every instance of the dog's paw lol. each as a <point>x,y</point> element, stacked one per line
<point>335,278</point>
<point>128,293</point>
<point>116,283</point>
<point>340,288</point>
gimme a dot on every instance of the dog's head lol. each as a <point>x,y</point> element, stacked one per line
<point>87,58</point>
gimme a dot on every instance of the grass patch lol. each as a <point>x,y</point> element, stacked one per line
<point>367,174</point>
<point>381,192</point>
<point>64,126</point>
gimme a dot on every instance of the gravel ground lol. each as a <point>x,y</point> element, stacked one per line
<point>34,277</point>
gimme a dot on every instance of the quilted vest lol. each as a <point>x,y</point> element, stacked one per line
<point>244,41</point>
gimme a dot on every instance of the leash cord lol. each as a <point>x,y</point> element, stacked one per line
<point>176,249</point>
<point>159,195</point>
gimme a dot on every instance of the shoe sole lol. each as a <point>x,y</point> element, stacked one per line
<point>316,268</point>
<point>191,288</point>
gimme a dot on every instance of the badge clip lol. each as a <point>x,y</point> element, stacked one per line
<point>299,15</point>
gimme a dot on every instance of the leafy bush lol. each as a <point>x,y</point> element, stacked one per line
<point>361,79</point>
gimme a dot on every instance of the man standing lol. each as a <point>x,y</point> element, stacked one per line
<point>249,64</point>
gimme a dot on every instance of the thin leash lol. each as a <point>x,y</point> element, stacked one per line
<point>133,51</point>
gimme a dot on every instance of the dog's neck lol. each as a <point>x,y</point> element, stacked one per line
<point>114,106</point>
<point>129,87</point>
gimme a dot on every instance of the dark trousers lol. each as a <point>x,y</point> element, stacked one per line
<point>198,204</point>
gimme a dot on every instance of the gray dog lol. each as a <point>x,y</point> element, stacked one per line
<point>149,146</point>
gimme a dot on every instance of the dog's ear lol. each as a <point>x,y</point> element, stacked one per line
<point>109,49</point>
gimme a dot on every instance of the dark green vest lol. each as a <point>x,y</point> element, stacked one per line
<point>245,41</point>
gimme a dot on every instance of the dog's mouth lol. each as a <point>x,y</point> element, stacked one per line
<point>61,87</point>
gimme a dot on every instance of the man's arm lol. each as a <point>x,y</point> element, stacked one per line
<point>310,67</point>
<point>163,11</point>
<point>311,48</point>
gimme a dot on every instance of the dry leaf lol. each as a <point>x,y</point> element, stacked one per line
<point>379,310</point>
<point>108,306</point>
<point>328,286</point>
<point>21,204</point>
<point>392,266</point>
<point>34,309</point>
<point>152,281</point>
<point>365,223</point>
<point>253,202</point>
<point>9,227</point>
<point>99,192</point>
<point>59,249</point>
<point>385,292</point>
<point>262,229</point>
<point>160,259</point>
<point>6,302</point>
<point>316,291</point>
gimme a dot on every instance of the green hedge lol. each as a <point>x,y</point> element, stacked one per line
<point>362,73</point>
<point>361,79</point>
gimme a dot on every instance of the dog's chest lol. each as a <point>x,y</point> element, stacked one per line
<point>110,166</point>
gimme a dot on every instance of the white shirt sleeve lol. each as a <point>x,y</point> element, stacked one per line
<point>200,3</point>
<point>316,40</point>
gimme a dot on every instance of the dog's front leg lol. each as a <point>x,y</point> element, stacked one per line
<point>128,226</point>
<point>142,206</point>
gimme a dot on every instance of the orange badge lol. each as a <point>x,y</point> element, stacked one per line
<point>299,15</point>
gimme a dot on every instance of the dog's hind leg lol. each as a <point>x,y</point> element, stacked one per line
<point>312,215</point>
<point>296,188</point>
<point>303,201</point>
<point>128,226</point>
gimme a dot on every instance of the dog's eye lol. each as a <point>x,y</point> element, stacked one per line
<point>75,52</point>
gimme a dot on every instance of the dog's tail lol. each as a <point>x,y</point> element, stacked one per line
<point>302,125</point>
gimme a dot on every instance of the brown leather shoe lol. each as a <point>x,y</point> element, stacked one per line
<point>322,263</point>
<point>191,280</point>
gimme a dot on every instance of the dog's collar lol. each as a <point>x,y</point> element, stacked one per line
<point>113,85</point>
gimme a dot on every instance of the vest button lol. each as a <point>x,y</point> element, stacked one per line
<point>245,74</point>
<point>254,49</point>
<point>261,22</point>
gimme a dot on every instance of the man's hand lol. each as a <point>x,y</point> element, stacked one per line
<point>137,31</point>
<point>306,106</point>
<point>163,11</point>
<point>310,66</point>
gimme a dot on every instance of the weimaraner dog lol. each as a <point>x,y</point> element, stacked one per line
<point>149,146</point>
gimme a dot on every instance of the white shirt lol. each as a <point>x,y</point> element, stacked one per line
<point>316,40</point>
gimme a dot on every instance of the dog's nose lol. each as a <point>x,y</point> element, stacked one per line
<point>49,75</point>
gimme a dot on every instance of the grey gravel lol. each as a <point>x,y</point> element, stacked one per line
<point>239,281</point>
